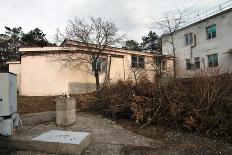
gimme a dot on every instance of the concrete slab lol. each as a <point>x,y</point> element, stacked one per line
<point>67,137</point>
<point>35,139</point>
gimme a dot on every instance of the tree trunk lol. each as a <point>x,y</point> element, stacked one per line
<point>108,74</point>
<point>174,54</point>
<point>97,80</point>
<point>174,65</point>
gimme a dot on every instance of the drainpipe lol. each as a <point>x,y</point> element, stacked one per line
<point>191,50</point>
<point>124,72</point>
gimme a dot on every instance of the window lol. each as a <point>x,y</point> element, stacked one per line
<point>164,67</point>
<point>188,64</point>
<point>101,65</point>
<point>197,63</point>
<point>213,60</point>
<point>188,38</point>
<point>141,62</point>
<point>211,32</point>
<point>134,60</point>
<point>137,62</point>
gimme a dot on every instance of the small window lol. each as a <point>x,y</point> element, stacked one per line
<point>188,38</point>
<point>188,64</point>
<point>164,65</point>
<point>211,32</point>
<point>141,62</point>
<point>101,65</point>
<point>137,62</point>
<point>197,63</point>
<point>213,60</point>
<point>134,60</point>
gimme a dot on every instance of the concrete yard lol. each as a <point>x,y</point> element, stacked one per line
<point>107,138</point>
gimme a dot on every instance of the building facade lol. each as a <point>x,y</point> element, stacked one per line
<point>203,46</point>
<point>41,72</point>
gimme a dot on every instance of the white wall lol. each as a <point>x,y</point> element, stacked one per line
<point>15,67</point>
<point>43,75</point>
<point>221,44</point>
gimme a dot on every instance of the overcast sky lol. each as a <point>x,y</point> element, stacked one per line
<point>133,17</point>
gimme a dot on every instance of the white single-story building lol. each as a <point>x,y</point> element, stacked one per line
<point>41,71</point>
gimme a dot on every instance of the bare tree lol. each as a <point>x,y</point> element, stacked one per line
<point>137,73</point>
<point>95,36</point>
<point>137,69</point>
<point>170,23</point>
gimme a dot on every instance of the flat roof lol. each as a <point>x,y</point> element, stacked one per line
<point>73,46</point>
<point>203,20</point>
<point>81,50</point>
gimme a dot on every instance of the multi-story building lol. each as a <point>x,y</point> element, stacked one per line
<point>203,45</point>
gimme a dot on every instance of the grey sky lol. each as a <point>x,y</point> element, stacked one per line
<point>133,17</point>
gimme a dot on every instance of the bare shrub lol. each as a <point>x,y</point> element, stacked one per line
<point>210,103</point>
<point>202,103</point>
<point>114,99</point>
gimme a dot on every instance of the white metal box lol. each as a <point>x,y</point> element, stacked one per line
<point>8,94</point>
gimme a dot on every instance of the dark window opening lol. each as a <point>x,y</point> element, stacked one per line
<point>188,64</point>
<point>141,62</point>
<point>101,65</point>
<point>213,60</point>
<point>211,32</point>
<point>188,38</point>
<point>164,65</point>
<point>134,61</point>
<point>137,62</point>
<point>197,63</point>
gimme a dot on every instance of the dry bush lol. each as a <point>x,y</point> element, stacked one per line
<point>114,99</point>
<point>202,103</point>
<point>85,101</point>
<point>210,104</point>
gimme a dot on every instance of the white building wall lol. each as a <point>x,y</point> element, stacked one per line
<point>43,75</point>
<point>221,44</point>
<point>15,67</point>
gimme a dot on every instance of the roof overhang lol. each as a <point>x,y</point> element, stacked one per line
<point>115,52</point>
<point>13,62</point>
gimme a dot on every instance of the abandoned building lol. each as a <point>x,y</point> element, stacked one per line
<point>203,45</point>
<point>41,72</point>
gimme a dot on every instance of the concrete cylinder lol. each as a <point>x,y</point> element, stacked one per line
<point>65,111</point>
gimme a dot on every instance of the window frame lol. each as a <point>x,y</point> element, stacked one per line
<point>210,33</point>
<point>188,64</point>
<point>197,63</point>
<point>188,38</point>
<point>137,63</point>
<point>101,65</point>
<point>164,65</point>
<point>212,60</point>
<point>141,64</point>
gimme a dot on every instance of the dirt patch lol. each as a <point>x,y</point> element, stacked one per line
<point>35,104</point>
<point>179,140</point>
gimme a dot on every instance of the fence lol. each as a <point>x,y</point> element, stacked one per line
<point>213,11</point>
